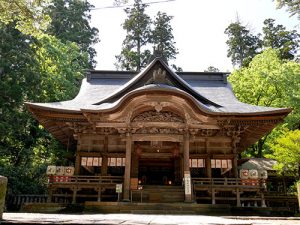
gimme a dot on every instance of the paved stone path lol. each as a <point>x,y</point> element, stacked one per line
<point>130,219</point>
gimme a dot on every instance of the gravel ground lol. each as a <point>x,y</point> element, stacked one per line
<point>126,219</point>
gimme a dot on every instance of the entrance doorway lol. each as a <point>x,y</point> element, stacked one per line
<point>158,163</point>
<point>156,171</point>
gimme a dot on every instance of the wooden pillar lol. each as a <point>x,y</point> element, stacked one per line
<point>213,196</point>
<point>208,166</point>
<point>104,157</point>
<point>74,195</point>
<point>49,198</point>
<point>186,153</point>
<point>238,198</point>
<point>104,165</point>
<point>186,168</point>
<point>135,164</point>
<point>126,193</point>
<point>235,166</point>
<point>77,164</point>
<point>99,194</point>
<point>263,202</point>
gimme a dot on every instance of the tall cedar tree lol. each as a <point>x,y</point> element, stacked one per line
<point>162,37</point>
<point>277,37</point>
<point>293,6</point>
<point>34,67</point>
<point>134,54</point>
<point>242,45</point>
<point>70,22</point>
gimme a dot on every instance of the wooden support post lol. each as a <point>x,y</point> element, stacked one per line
<point>207,160</point>
<point>74,195</point>
<point>213,196</point>
<point>263,202</point>
<point>126,193</point>
<point>104,157</point>
<point>238,198</point>
<point>99,195</point>
<point>77,164</point>
<point>186,167</point>
<point>49,198</point>
<point>208,166</point>
<point>104,165</point>
<point>235,166</point>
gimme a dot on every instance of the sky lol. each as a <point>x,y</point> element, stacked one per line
<point>198,28</point>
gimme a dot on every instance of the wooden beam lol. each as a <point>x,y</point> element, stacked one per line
<point>157,137</point>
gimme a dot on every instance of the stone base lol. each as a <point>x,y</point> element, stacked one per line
<point>3,187</point>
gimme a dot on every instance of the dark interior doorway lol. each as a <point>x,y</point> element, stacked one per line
<point>156,171</point>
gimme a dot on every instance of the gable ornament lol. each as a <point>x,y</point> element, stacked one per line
<point>159,76</point>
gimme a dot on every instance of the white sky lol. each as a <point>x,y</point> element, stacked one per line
<point>198,28</point>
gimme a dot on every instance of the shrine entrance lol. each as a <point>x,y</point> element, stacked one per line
<point>159,163</point>
<point>156,171</point>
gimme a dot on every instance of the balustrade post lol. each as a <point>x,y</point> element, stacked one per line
<point>74,195</point>
<point>99,195</point>
<point>238,198</point>
<point>213,196</point>
<point>263,202</point>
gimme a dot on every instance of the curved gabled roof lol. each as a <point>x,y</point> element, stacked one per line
<point>104,90</point>
<point>146,77</point>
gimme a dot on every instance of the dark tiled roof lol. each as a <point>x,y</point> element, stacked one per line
<point>102,90</point>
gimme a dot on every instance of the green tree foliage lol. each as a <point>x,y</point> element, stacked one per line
<point>293,6</point>
<point>242,44</point>
<point>287,152</point>
<point>141,36</point>
<point>162,37</point>
<point>269,81</point>
<point>276,36</point>
<point>60,67</point>
<point>70,22</point>
<point>32,68</point>
<point>134,54</point>
<point>212,69</point>
<point>28,16</point>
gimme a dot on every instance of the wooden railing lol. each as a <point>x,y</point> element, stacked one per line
<point>228,182</point>
<point>14,202</point>
<point>84,179</point>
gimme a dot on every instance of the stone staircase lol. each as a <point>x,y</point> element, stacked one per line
<point>159,194</point>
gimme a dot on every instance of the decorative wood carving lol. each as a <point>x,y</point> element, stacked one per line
<point>155,130</point>
<point>208,132</point>
<point>159,77</point>
<point>191,120</point>
<point>155,116</point>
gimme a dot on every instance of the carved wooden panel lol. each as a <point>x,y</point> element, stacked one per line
<point>154,116</point>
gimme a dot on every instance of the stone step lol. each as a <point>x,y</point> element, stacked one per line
<point>158,194</point>
<point>162,212</point>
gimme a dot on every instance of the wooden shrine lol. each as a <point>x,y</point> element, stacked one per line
<point>156,129</point>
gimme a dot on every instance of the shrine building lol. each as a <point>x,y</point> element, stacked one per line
<point>175,136</point>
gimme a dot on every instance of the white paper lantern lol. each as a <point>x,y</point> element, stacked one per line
<point>263,174</point>
<point>244,174</point>
<point>51,170</point>
<point>253,174</point>
<point>69,171</point>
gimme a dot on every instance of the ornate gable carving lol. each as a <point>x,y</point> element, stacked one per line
<point>159,76</point>
<point>154,116</point>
